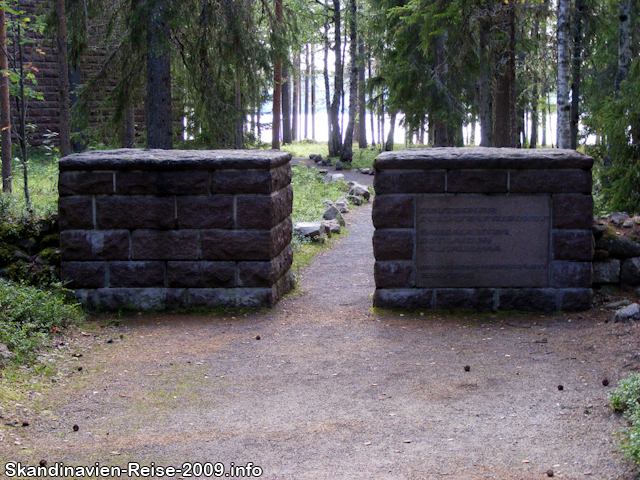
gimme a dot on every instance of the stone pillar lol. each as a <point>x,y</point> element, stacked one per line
<point>156,229</point>
<point>483,228</point>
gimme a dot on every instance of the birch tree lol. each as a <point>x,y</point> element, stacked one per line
<point>564,75</point>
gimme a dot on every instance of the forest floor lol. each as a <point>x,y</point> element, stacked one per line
<point>324,387</point>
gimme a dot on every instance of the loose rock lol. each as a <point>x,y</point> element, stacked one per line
<point>618,217</point>
<point>360,191</point>
<point>333,177</point>
<point>332,213</point>
<point>630,312</point>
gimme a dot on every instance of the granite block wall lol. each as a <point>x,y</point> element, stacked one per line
<point>483,228</point>
<point>154,229</point>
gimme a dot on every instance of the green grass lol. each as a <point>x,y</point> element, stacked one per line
<point>309,191</point>
<point>42,176</point>
<point>626,399</point>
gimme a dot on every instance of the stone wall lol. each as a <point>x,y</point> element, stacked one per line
<point>153,229</point>
<point>482,228</point>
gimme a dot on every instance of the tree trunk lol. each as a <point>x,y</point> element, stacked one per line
<point>158,107</point>
<point>505,127</point>
<point>564,73</point>
<point>624,42</point>
<point>362,105</point>
<point>5,107</point>
<point>64,137</point>
<point>325,72</point>
<point>443,132</point>
<point>277,85</point>
<point>129,128</point>
<point>313,95</point>
<point>347,148</point>
<point>335,135</point>
<point>306,95</point>
<point>388,146</point>
<point>486,94</point>
<point>239,115</point>
<point>286,106</point>
<point>295,101</point>
<point>371,113</point>
<point>577,64</point>
<point>533,143</point>
<point>543,142</point>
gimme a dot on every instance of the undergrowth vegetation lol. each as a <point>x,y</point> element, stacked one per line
<point>626,399</point>
<point>29,316</point>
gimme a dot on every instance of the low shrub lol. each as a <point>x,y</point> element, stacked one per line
<point>29,317</point>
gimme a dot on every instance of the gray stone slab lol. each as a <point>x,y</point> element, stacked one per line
<point>481,241</point>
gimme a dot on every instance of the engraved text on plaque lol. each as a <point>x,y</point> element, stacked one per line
<point>483,241</point>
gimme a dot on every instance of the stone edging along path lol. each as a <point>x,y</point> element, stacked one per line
<point>322,387</point>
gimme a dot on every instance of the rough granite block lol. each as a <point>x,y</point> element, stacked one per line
<point>136,274</point>
<point>162,183</point>
<point>393,244</point>
<point>205,212</point>
<point>164,245</point>
<point>528,299</point>
<point>394,274</point>
<point>84,274</point>
<point>75,213</point>
<point>201,274</point>
<point>115,213</point>
<point>477,181</point>
<point>85,183</point>
<point>393,211</point>
<point>550,181</point>
<point>94,245</point>
<point>574,212</point>
<point>409,182</point>
<point>573,245</point>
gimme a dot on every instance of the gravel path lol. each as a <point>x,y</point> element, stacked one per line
<point>324,388</point>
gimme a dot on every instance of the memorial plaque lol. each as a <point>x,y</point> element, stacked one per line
<point>483,241</point>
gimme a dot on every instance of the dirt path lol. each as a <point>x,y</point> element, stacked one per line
<point>322,388</point>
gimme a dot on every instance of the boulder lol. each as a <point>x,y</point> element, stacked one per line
<point>630,312</point>
<point>332,213</point>
<point>307,229</point>
<point>372,171</point>
<point>355,200</point>
<point>326,162</point>
<point>365,171</point>
<point>332,226</point>
<point>618,217</point>
<point>338,165</point>
<point>630,271</point>
<point>316,157</point>
<point>606,272</point>
<point>342,205</point>
<point>619,247</point>
<point>333,177</point>
<point>618,305</point>
<point>628,223</point>
<point>360,191</point>
<point>599,231</point>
